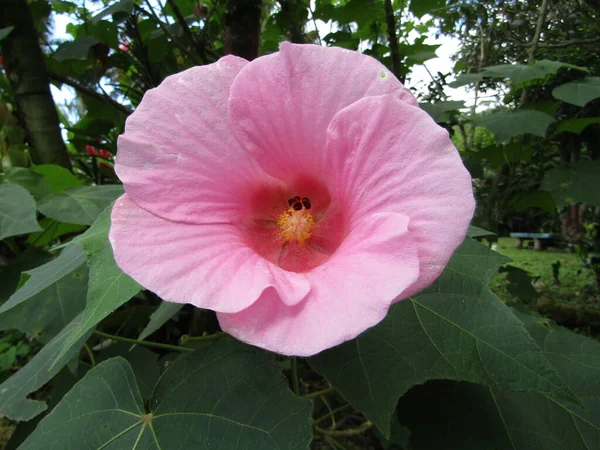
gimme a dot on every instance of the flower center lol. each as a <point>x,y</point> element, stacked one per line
<point>297,224</point>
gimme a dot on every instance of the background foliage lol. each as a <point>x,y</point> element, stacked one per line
<point>88,359</point>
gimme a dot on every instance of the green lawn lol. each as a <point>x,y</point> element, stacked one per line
<point>576,283</point>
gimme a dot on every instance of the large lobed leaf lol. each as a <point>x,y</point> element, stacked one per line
<point>17,211</point>
<point>577,183</point>
<point>578,92</point>
<point>158,318</point>
<point>80,206</point>
<point>14,403</point>
<point>505,125</point>
<point>43,312</point>
<point>224,396</point>
<point>464,416</point>
<point>456,329</point>
<point>517,73</point>
<point>109,287</point>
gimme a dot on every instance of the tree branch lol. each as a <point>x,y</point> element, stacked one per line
<point>538,31</point>
<point>242,28</point>
<point>170,35</point>
<point>185,27</point>
<point>393,40</point>
<point>564,43</point>
<point>534,43</point>
<point>90,92</point>
<point>295,31</point>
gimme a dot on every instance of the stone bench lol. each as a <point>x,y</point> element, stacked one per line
<point>539,239</point>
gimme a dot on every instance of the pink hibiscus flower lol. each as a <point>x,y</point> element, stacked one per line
<point>298,195</point>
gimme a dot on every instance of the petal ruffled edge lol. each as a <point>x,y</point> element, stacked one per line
<point>384,155</point>
<point>178,157</point>
<point>349,293</point>
<point>206,265</point>
<point>281,104</point>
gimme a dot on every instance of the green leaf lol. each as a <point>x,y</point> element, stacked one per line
<point>519,73</point>
<point>95,239</point>
<point>421,7</point>
<point>45,276</point>
<point>108,286</point>
<point>577,183</point>
<point>52,231</point>
<point>534,199</point>
<point>143,362</point>
<point>80,206</point>
<point>479,232</point>
<point>14,403</point>
<point>35,183</point>
<point>17,211</point>
<point>57,177</point>
<point>505,125</point>
<point>121,7</point>
<point>105,32</point>
<point>519,284</point>
<point>498,155</point>
<point>463,416</point>
<point>578,92</point>
<point>108,289</point>
<point>45,314</point>
<point>576,125</point>
<point>5,32</point>
<point>50,298</point>
<point>439,111</point>
<point>359,11</point>
<point>164,312</point>
<point>467,78</point>
<point>11,273</point>
<point>227,395</point>
<point>77,49</point>
<point>455,329</point>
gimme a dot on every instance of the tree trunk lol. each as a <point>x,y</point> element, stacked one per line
<point>26,72</point>
<point>393,40</point>
<point>288,8</point>
<point>242,28</point>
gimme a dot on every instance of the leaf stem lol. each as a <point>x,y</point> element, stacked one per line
<point>90,354</point>
<point>333,443</point>
<point>331,413</point>
<point>345,433</point>
<point>145,343</point>
<point>205,337</point>
<point>295,384</point>
<point>319,393</point>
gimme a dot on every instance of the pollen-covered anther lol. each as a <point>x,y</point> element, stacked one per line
<point>296,225</point>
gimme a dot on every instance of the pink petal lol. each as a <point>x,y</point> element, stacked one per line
<point>351,292</point>
<point>281,104</point>
<point>388,156</point>
<point>206,265</point>
<point>178,157</point>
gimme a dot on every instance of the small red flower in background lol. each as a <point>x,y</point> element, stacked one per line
<point>124,47</point>
<point>2,63</point>
<point>99,153</point>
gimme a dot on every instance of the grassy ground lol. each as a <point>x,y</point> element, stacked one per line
<point>575,283</point>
